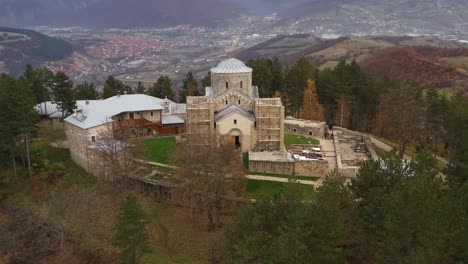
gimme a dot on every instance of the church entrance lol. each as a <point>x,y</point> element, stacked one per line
<point>236,141</point>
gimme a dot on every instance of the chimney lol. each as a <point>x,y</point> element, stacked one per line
<point>118,94</point>
<point>87,102</point>
<point>125,92</point>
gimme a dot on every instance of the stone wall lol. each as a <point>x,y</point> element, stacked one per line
<point>78,141</point>
<point>302,168</point>
<point>274,167</point>
<point>304,127</point>
<point>311,168</point>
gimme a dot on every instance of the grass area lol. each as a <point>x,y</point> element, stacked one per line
<point>298,177</point>
<point>291,139</point>
<point>268,189</point>
<point>160,149</point>
<point>245,159</point>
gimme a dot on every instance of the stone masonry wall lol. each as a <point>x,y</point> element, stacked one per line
<point>311,168</point>
<point>274,167</point>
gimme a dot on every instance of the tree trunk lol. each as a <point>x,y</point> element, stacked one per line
<point>28,156</point>
<point>14,164</point>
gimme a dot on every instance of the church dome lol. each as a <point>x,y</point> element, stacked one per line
<point>231,66</point>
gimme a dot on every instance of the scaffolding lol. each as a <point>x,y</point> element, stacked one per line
<point>269,125</point>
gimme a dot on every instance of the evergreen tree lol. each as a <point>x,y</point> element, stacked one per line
<point>206,81</point>
<point>40,81</point>
<point>189,88</point>
<point>114,86</point>
<point>457,140</point>
<point>130,231</point>
<point>141,89</point>
<point>85,91</point>
<point>63,94</point>
<point>163,88</point>
<point>296,82</point>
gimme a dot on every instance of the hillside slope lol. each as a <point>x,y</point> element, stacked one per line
<point>344,17</point>
<point>30,48</point>
<point>428,60</point>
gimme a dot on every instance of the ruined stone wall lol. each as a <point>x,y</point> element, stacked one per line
<point>305,127</point>
<point>311,168</point>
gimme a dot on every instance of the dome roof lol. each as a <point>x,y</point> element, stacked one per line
<point>231,66</point>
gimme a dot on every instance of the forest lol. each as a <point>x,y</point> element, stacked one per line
<point>394,211</point>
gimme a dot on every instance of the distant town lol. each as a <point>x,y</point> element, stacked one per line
<point>142,55</point>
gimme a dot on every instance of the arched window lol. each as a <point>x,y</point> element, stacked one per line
<point>235,121</point>
<point>227,85</point>
<point>226,102</point>
<point>242,84</point>
<point>239,102</point>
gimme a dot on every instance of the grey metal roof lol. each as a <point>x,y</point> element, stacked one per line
<point>172,119</point>
<point>231,66</point>
<point>233,109</point>
<point>51,108</point>
<point>101,112</point>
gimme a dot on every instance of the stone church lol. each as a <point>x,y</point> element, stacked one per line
<point>231,107</point>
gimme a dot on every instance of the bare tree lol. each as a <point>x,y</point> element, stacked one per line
<point>401,116</point>
<point>213,174</point>
<point>112,158</point>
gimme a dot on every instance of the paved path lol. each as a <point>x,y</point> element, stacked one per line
<point>278,179</point>
<point>330,153</point>
<point>387,148</point>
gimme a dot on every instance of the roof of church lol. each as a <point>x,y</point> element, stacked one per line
<point>233,109</point>
<point>231,66</point>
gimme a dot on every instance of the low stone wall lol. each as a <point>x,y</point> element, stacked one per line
<point>274,167</point>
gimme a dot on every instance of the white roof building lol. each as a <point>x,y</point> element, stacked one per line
<point>101,112</point>
<point>50,109</point>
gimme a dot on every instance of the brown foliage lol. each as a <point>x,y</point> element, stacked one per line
<point>413,63</point>
<point>311,107</point>
<point>212,174</point>
<point>400,116</point>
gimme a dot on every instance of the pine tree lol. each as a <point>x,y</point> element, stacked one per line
<point>141,89</point>
<point>85,91</point>
<point>311,107</point>
<point>206,81</point>
<point>63,94</point>
<point>114,86</point>
<point>296,81</point>
<point>189,88</point>
<point>130,231</point>
<point>163,88</point>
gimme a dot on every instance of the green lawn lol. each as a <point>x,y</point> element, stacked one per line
<point>268,189</point>
<point>160,149</point>
<point>290,139</point>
